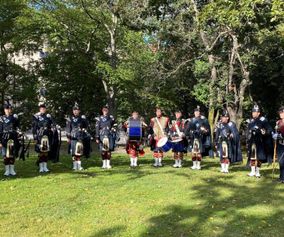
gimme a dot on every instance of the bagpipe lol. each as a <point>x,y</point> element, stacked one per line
<point>254,137</point>
<point>254,132</point>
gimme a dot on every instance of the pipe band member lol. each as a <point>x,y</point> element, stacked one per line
<point>198,132</point>
<point>158,128</point>
<point>259,141</point>
<point>278,136</point>
<point>105,136</point>
<point>135,128</point>
<point>77,135</point>
<point>44,134</point>
<point>9,126</point>
<point>227,140</point>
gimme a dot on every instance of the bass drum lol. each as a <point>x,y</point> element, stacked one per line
<point>134,130</point>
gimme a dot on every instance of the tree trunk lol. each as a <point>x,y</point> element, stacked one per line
<point>213,78</point>
<point>110,96</point>
<point>111,29</point>
<point>109,89</point>
<point>213,71</point>
<point>235,109</point>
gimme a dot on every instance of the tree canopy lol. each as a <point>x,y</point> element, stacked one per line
<point>135,55</point>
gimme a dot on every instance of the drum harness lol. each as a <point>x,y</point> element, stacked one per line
<point>160,126</point>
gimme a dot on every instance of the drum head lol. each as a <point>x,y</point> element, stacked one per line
<point>177,140</point>
<point>162,141</point>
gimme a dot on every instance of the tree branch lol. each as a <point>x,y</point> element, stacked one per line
<point>88,13</point>
<point>208,49</point>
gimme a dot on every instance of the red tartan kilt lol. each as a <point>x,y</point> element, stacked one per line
<point>132,148</point>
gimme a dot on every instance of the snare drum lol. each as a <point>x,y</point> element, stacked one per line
<point>178,145</point>
<point>165,144</point>
<point>134,130</point>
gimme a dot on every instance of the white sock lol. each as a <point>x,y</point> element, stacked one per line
<point>131,161</point>
<point>79,165</point>
<point>156,161</point>
<point>135,161</point>
<point>222,167</point>
<point>7,170</point>
<point>227,167</point>
<point>198,165</point>
<point>175,164</point>
<point>108,164</point>
<point>41,167</point>
<point>45,169</point>
<point>12,171</point>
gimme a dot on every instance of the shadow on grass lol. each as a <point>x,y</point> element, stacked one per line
<point>243,211</point>
<point>113,231</point>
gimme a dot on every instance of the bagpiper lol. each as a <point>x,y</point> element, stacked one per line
<point>158,128</point>
<point>135,127</point>
<point>46,137</point>
<point>198,132</point>
<point>227,140</point>
<point>9,126</point>
<point>105,136</point>
<point>259,141</point>
<point>279,139</point>
<point>179,142</point>
<point>77,135</point>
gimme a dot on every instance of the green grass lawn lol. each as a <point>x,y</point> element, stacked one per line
<point>145,201</point>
